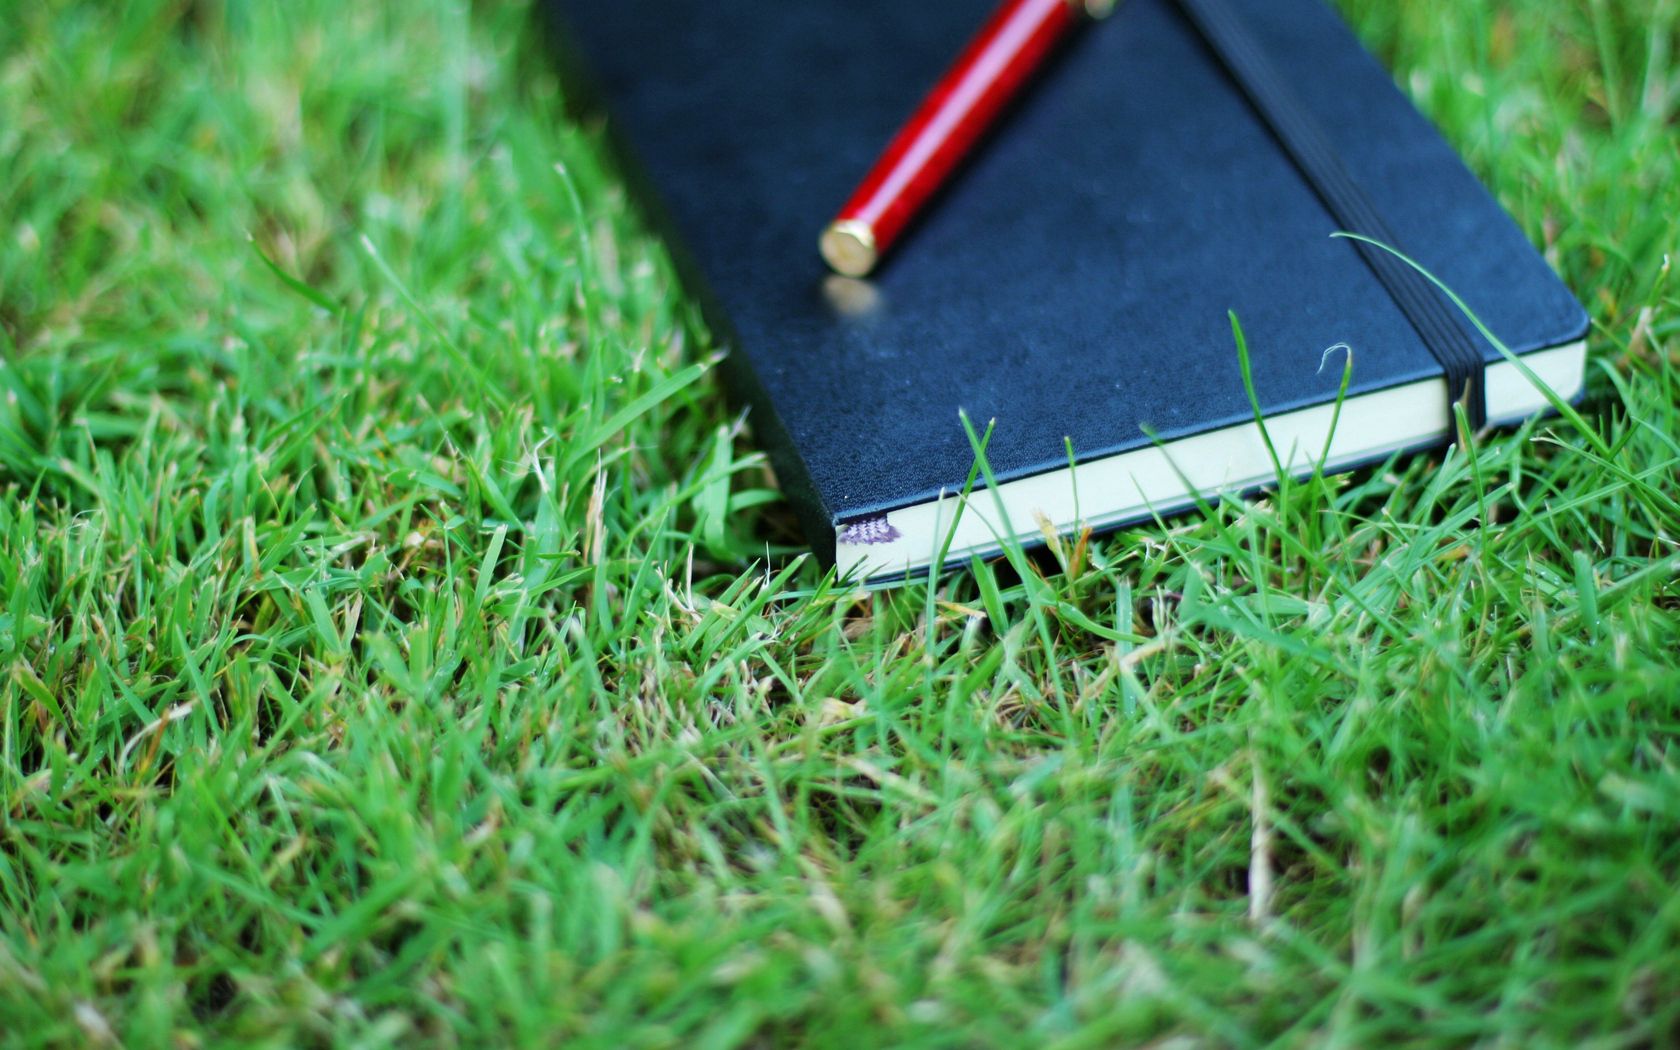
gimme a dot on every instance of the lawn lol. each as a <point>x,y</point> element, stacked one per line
<point>401,642</point>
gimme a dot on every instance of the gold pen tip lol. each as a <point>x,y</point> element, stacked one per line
<point>848,246</point>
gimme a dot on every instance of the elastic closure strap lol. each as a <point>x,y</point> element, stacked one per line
<point>1437,321</point>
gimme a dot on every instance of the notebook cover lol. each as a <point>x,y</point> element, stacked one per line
<point>1073,282</point>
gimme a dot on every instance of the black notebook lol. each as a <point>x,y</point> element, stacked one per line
<point>1073,283</point>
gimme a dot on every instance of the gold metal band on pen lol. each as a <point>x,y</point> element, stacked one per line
<point>849,247</point>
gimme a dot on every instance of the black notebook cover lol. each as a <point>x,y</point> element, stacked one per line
<point>1073,283</point>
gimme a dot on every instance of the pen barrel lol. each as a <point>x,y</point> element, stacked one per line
<point>1015,41</point>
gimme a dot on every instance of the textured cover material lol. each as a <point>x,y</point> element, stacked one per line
<point>1073,282</point>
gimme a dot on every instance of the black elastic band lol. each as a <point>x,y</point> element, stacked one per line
<point>1437,321</point>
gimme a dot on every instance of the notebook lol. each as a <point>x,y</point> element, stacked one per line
<point>1072,287</point>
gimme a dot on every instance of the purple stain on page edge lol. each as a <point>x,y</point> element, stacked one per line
<point>869,531</point>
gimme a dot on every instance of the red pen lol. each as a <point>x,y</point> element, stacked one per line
<point>1014,42</point>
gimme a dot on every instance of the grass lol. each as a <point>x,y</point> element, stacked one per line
<point>402,643</point>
